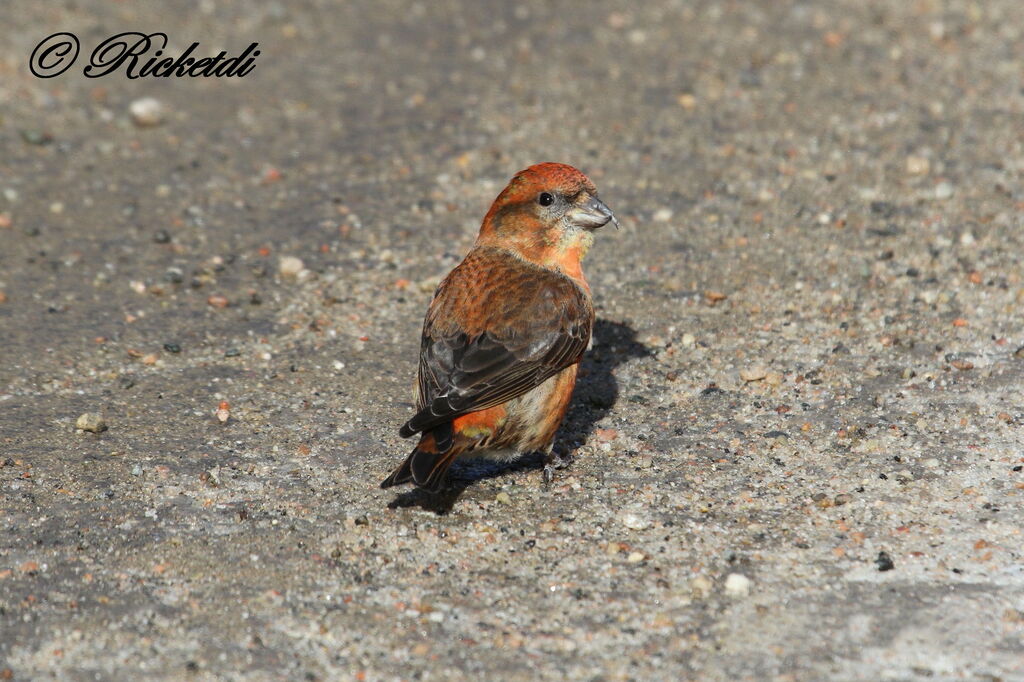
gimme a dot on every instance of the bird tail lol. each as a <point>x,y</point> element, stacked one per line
<point>428,463</point>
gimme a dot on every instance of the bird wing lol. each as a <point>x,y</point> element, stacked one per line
<point>498,327</point>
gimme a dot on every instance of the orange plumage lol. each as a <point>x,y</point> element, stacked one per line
<point>506,329</point>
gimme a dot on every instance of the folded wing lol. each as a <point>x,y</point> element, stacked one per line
<point>497,327</point>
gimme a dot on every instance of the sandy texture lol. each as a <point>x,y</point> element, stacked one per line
<point>798,435</point>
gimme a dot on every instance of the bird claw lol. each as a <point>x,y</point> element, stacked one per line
<point>552,462</point>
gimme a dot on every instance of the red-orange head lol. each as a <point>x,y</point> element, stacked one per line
<point>547,214</point>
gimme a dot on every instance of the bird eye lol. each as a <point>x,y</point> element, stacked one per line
<point>545,199</point>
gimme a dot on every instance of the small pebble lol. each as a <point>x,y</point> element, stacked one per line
<point>943,190</point>
<point>918,165</point>
<point>91,422</point>
<point>755,373</point>
<point>884,562</point>
<point>36,137</point>
<point>635,557</point>
<point>688,340</point>
<point>136,470</point>
<point>162,236</point>
<point>737,585</point>
<point>147,111</point>
<point>634,521</point>
<point>172,348</point>
<point>270,174</point>
<point>503,498</point>
<point>701,586</point>
<point>290,266</point>
<point>883,208</point>
<point>714,297</point>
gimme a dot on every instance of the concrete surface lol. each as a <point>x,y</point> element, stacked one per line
<point>798,435</point>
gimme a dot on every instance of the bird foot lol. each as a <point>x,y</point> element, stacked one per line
<point>552,462</point>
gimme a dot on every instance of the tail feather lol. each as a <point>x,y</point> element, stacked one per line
<point>429,469</point>
<point>400,475</point>
<point>428,463</point>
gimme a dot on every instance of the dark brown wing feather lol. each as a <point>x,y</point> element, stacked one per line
<point>498,326</point>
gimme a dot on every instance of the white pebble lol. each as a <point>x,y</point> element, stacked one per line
<point>918,165</point>
<point>290,266</point>
<point>147,111</point>
<point>737,585</point>
<point>634,521</point>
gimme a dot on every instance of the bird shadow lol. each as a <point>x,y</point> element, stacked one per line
<point>597,392</point>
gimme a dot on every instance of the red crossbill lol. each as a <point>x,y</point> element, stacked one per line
<point>506,329</point>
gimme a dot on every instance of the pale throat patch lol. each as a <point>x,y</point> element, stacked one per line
<point>576,238</point>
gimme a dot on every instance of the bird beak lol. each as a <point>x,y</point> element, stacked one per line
<point>591,213</point>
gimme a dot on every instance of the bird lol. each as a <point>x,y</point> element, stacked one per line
<point>506,329</point>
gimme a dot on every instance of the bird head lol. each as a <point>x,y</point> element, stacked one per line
<point>547,214</point>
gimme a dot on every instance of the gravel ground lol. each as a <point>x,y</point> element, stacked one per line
<point>798,435</point>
